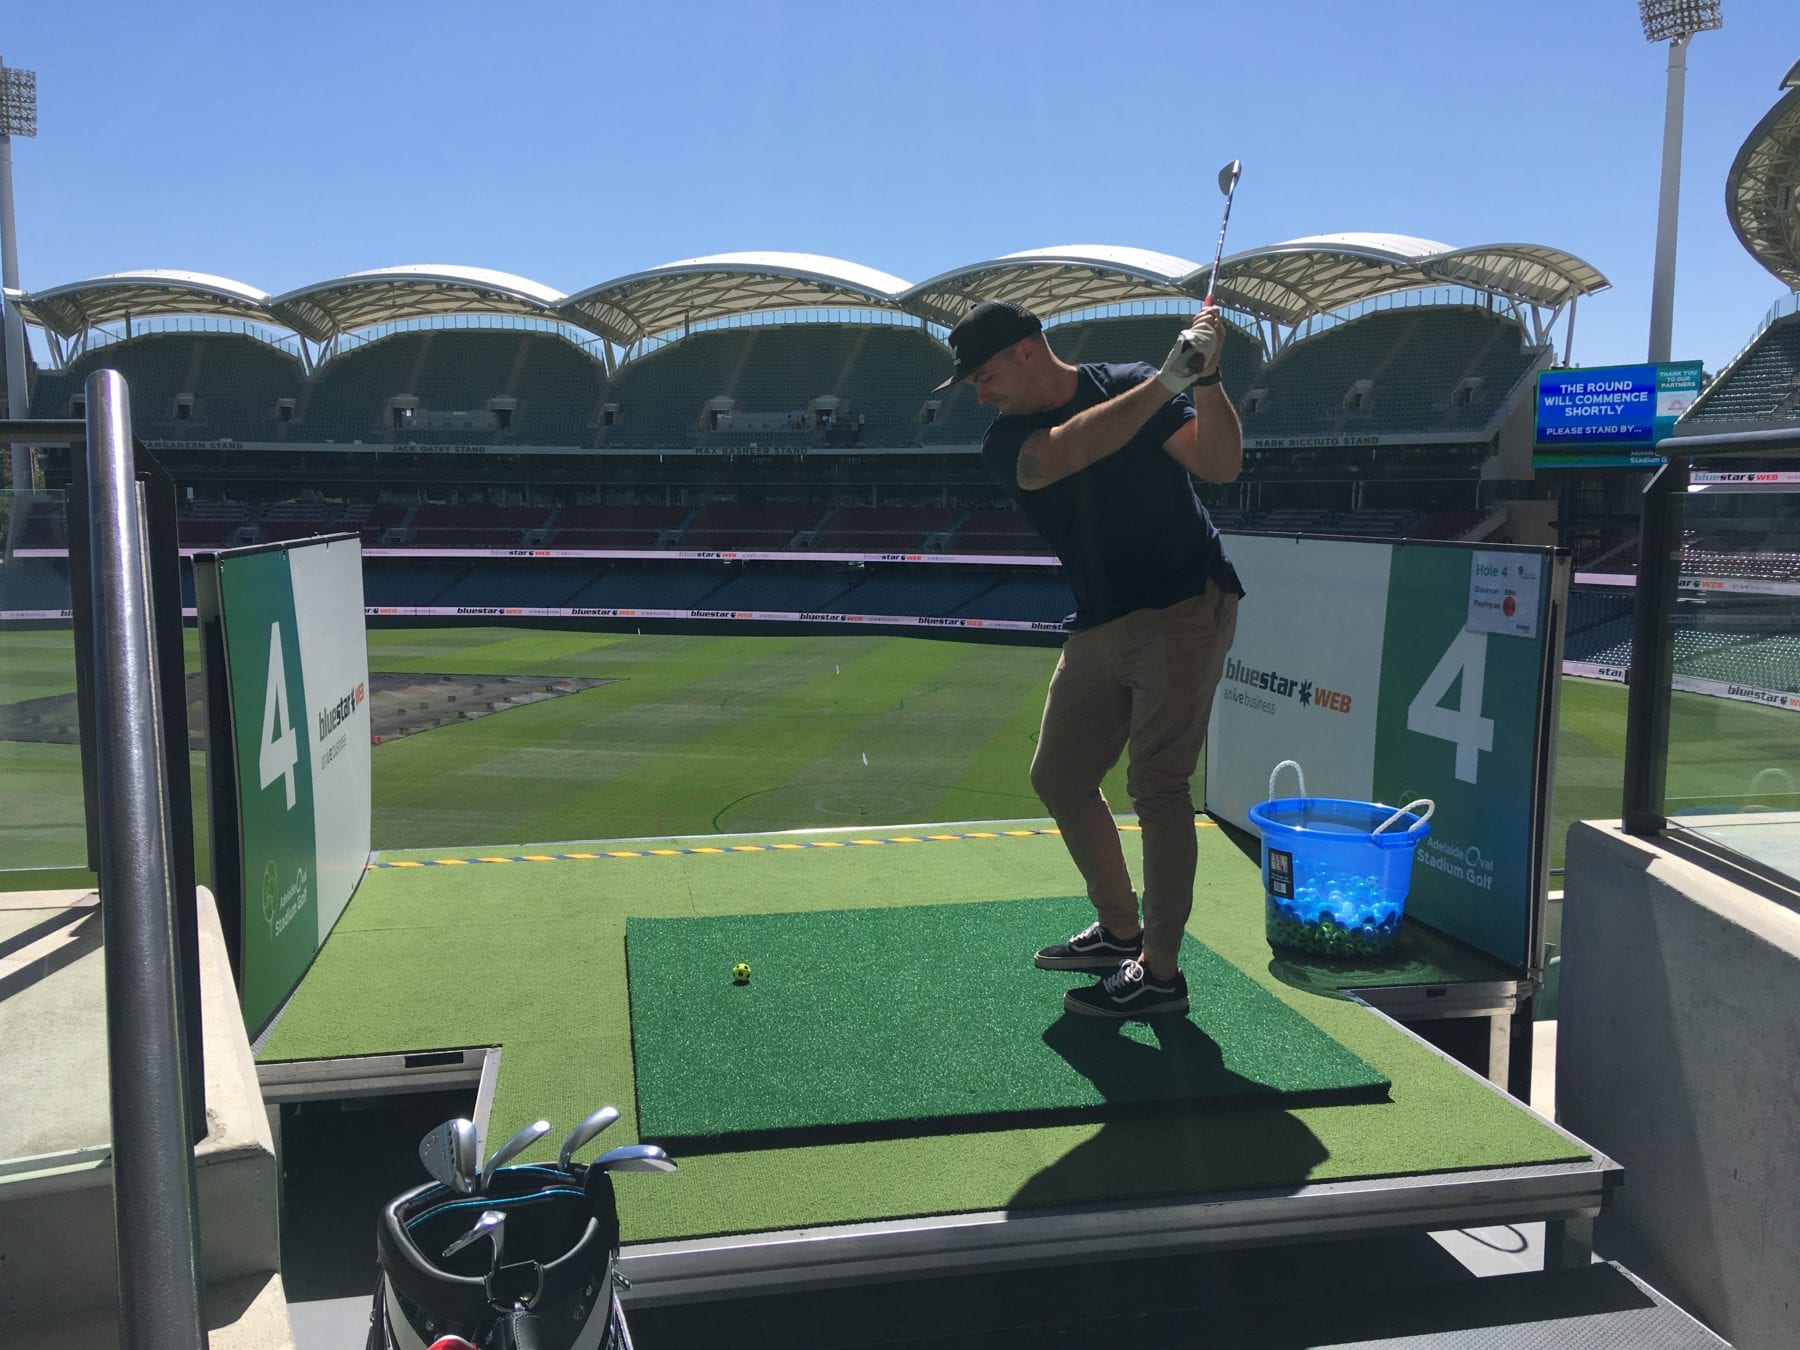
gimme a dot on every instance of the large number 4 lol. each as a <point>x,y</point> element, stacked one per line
<point>1463,726</point>
<point>280,747</point>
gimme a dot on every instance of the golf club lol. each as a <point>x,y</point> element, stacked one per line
<point>1228,181</point>
<point>512,1148</point>
<point>584,1132</point>
<point>489,1225</point>
<point>635,1158</point>
<point>451,1154</point>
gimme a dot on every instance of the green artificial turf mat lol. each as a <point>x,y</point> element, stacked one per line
<point>538,956</point>
<point>872,1023</point>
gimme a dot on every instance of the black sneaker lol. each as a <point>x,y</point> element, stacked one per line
<point>1093,948</point>
<point>1130,991</point>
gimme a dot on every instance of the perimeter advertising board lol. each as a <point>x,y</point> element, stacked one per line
<point>287,679</point>
<point>1611,417</point>
<point>1393,672</point>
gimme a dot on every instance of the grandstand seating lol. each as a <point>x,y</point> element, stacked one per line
<point>34,584</point>
<point>887,384</point>
<point>45,524</point>
<point>780,592</point>
<point>1414,360</point>
<point>348,396</point>
<point>502,583</point>
<point>1033,599</point>
<point>647,590</point>
<point>883,529</point>
<point>1763,386</point>
<point>997,531</point>
<point>747,527</point>
<point>411,582</point>
<point>235,382</point>
<point>662,396</point>
<point>911,591</point>
<point>1453,524</point>
<point>558,391</point>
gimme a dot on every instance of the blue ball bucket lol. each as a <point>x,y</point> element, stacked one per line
<point>1335,873</point>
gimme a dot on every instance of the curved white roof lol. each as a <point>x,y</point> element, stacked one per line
<point>695,290</point>
<point>151,293</point>
<point>1762,191</point>
<point>419,290</point>
<point>1292,281</point>
<point>1052,281</point>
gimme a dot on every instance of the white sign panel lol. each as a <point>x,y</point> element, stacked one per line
<point>1504,589</point>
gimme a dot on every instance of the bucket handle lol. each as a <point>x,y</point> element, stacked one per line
<point>1425,802</point>
<point>1286,764</point>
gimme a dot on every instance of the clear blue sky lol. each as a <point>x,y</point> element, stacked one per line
<point>571,143</point>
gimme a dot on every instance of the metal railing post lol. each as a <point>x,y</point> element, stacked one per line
<point>1653,649</point>
<point>154,1196</point>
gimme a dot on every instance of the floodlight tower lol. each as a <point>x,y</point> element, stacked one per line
<point>18,117</point>
<point>1674,22</point>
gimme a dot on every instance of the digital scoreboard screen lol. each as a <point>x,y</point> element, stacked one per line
<point>1610,416</point>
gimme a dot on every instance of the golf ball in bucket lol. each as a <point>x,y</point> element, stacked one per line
<point>1332,886</point>
<point>740,973</point>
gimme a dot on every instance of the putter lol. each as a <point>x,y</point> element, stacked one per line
<point>634,1158</point>
<point>512,1148</point>
<point>583,1133</point>
<point>452,1155</point>
<point>1228,181</point>
<point>489,1225</point>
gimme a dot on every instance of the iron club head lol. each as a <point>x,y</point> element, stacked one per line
<point>580,1136</point>
<point>489,1225</point>
<point>512,1148</point>
<point>1228,176</point>
<point>635,1158</point>
<point>450,1154</point>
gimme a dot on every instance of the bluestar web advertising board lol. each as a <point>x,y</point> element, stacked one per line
<point>283,638</point>
<point>1610,416</point>
<point>1392,672</point>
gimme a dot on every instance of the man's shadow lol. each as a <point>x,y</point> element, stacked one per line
<point>1221,1131</point>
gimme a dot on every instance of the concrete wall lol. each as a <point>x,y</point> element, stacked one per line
<point>58,1255</point>
<point>1679,1055</point>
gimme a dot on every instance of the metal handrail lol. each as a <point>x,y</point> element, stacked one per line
<point>155,1202</point>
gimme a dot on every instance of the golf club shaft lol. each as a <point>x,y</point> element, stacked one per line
<point>1232,170</point>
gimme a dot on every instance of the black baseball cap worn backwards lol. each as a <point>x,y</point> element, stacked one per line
<point>989,329</point>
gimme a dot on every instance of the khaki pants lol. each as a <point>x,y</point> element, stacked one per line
<point>1143,683</point>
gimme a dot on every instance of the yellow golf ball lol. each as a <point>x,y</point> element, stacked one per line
<point>740,973</point>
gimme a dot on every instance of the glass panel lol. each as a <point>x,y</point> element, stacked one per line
<point>41,813</point>
<point>1734,717</point>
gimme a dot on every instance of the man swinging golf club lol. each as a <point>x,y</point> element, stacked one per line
<point>1097,458</point>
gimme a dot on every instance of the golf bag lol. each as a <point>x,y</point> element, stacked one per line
<point>553,1289</point>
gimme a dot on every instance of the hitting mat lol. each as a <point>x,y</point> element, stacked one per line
<point>870,1023</point>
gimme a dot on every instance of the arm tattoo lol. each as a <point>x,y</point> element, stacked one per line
<point>1029,472</point>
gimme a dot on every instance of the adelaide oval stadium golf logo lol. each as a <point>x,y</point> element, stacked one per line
<point>271,883</point>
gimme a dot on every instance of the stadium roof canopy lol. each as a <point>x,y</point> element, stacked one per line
<point>79,305</point>
<point>1290,282</point>
<point>391,294</point>
<point>1762,191</point>
<point>695,290</point>
<point>1052,281</point>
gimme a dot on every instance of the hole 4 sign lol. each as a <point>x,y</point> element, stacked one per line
<point>1464,660</point>
<point>280,746</point>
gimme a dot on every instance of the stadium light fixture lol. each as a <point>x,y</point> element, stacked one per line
<point>1674,22</point>
<point>18,117</point>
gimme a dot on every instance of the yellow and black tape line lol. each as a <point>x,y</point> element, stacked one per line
<point>784,846</point>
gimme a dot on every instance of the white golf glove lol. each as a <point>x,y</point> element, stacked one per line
<point>1194,350</point>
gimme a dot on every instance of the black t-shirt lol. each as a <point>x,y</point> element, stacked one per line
<point>1130,529</point>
